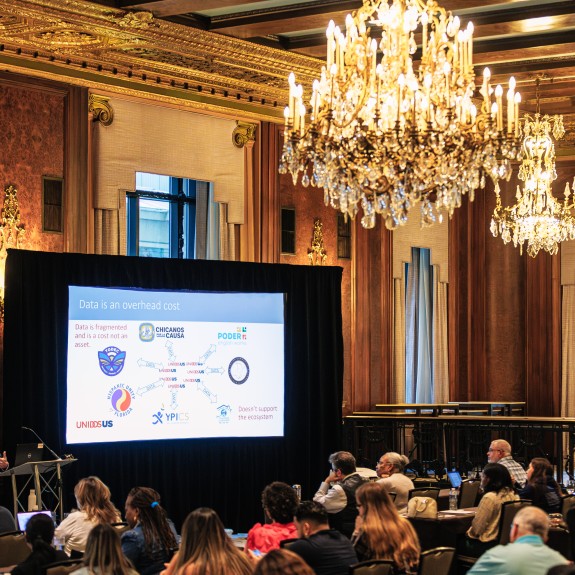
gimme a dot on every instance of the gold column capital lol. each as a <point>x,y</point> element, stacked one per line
<point>243,133</point>
<point>101,109</point>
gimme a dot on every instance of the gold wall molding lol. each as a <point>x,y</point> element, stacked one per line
<point>243,133</point>
<point>101,109</point>
<point>316,253</point>
<point>84,39</point>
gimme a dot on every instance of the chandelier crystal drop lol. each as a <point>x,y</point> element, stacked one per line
<point>384,133</point>
<point>537,217</point>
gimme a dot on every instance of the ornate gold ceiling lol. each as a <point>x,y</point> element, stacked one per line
<point>233,57</point>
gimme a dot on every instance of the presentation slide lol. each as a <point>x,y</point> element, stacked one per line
<point>146,365</point>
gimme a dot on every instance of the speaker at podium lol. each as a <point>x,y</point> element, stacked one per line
<point>39,468</point>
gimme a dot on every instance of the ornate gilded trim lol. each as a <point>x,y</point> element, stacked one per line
<point>317,254</point>
<point>243,133</point>
<point>101,109</point>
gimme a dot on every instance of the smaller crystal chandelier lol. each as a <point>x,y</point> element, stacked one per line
<point>537,218</point>
<point>393,125</point>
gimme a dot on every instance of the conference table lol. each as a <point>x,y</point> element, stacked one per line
<point>450,525</point>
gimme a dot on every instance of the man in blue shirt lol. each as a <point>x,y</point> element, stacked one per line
<point>527,553</point>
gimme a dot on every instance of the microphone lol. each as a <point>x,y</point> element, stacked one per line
<point>42,441</point>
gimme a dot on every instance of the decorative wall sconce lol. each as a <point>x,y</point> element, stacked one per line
<point>11,234</point>
<point>317,254</point>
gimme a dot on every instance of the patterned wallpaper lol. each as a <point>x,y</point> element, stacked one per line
<point>31,146</point>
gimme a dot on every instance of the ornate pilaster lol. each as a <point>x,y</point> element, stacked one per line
<point>243,133</point>
<point>101,109</point>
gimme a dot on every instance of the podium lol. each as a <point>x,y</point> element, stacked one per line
<point>45,476</point>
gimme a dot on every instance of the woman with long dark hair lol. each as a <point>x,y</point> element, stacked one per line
<point>94,508</point>
<point>206,548</point>
<point>103,555</point>
<point>497,487</point>
<point>381,533</point>
<point>152,539</point>
<point>279,501</point>
<point>39,535</point>
<point>541,487</point>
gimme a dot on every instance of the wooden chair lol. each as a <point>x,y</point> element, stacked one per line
<point>436,561</point>
<point>121,526</point>
<point>468,493</point>
<point>373,567</point>
<point>63,567</point>
<point>13,548</point>
<point>431,492</point>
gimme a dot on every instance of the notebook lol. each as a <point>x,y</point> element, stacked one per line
<point>24,517</point>
<point>27,452</point>
<point>454,478</point>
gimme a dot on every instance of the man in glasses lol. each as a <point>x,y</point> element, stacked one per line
<point>337,492</point>
<point>500,452</point>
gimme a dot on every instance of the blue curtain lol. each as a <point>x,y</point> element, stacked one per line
<point>418,328</point>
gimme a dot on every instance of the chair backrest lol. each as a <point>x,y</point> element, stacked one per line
<point>373,567</point>
<point>63,567</point>
<point>468,493</point>
<point>567,502</point>
<point>392,495</point>
<point>121,526</point>
<point>508,511</point>
<point>431,492</point>
<point>7,522</point>
<point>436,561</point>
<point>13,548</point>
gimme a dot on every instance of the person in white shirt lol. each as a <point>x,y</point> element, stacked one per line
<point>390,470</point>
<point>95,507</point>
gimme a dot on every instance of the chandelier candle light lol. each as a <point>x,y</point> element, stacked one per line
<point>385,135</point>
<point>537,218</point>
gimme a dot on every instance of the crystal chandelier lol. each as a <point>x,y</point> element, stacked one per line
<point>385,134</point>
<point>537,218</point>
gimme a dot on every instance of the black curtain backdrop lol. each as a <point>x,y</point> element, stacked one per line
<point>226,474</point>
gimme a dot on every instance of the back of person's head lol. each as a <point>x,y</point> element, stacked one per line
<point>397,460</point>
<point>207,547</point>
<point>152,517</point>
<point>313,512</point>
<point>282,562</point>
<point>40,527</point>
<point>497,476</point>
<point>505,446</point>
<point>93,497</point>
<point>104,551</point>
<point>542,469</point>
<point>374,500</point>
<point>388,535</point>
<point>280,501</point>
<point>344,461</point>
<point>532,520</point>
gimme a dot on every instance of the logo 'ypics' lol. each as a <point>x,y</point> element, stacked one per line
<point>111,360</point>
<point>146,332</point>
<point>120,397</point>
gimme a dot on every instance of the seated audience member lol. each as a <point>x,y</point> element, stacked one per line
<point>103,554</point>
<point>206,549</point>
<point>390,469</point>
<point>497,488</point>
<point>95,508</point>
<point>325,550</point>
<point>152,537</point>
<point>527,553</point>
<point>381,533</point>
<point>282,562</point>
<point>279,501</point>
<point>541,487</point>
<point>6,520</point>
<point>337,492</point>
<point>500,452</point>
<point>39,535</point>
